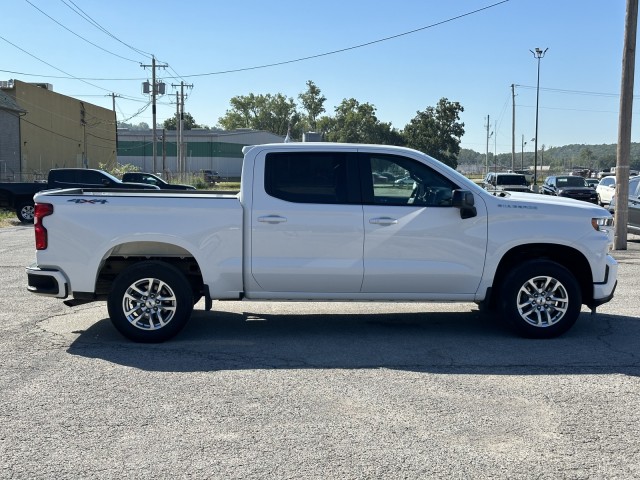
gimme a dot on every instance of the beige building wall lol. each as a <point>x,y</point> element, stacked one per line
<point>61,131</point>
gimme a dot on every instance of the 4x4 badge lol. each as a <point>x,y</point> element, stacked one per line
<point>84,200</point>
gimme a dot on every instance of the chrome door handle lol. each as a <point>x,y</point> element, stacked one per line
<point>272,219</point>
<point>383,221</point>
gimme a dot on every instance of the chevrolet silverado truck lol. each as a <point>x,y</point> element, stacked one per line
<point>19,196</point>
<point>311,223</point>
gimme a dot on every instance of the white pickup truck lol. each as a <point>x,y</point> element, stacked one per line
<point>316,222</point>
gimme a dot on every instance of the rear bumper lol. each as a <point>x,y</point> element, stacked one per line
<point>603,291</point>
<point>48,282</point>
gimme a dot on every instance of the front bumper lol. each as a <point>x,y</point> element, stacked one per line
<point>48,282</point>
<point>603,291</point>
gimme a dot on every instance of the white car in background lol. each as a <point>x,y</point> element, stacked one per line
<point>606,189</point>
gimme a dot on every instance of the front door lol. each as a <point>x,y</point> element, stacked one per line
<point>415,241</point>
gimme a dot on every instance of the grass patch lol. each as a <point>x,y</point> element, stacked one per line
<point>8,218</point>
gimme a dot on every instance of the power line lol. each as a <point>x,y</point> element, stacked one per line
<point>354,47</point>
<point>286,62</point>
<point>80,36</point>
<point>573,109</point>
<point>88,18</point>
<point>56,68</point>
<point>573,92</point>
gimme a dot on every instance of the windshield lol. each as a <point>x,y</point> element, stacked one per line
<point>571,182</point>
<point>511,180</point>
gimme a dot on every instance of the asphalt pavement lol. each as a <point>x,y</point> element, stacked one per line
<point>257,390</point>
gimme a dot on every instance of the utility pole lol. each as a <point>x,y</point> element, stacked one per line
<point>83,122</point>
<point>624,126</point>
<point>538,54</point>
<point>495,147</point>
<point>115,118</point>
<point>486,157</point>
<point>164,153</point>
<point>154,90</point>
<point>178,137</point>
<point>180,121</point>
<point>513,127</point>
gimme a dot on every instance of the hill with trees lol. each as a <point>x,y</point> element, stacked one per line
<point>558,159</point>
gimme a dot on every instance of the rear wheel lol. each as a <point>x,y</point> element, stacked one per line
<point>150,302</point>
<point>541,299</point>
<point>25,212</point>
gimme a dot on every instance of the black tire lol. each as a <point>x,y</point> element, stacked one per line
<point>25,212</point>
<point>150,302</point>
<point>540,299</point>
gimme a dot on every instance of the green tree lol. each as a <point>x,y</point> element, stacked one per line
<point>272,113</point>
<point>356,122</point>
<point>313,103</point>
<point>437,131</point>
<point>189,122</point>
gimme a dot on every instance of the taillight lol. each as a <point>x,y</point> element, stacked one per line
<point>41,210</point>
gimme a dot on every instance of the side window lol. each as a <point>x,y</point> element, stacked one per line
<point>149,179</point>
<point>634,188</point>
<point>307,177</point>
<point>91,178</point>
<point>63,176</point>
<point>399,180</point>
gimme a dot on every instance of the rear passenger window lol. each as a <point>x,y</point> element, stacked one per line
<point>307,177</point>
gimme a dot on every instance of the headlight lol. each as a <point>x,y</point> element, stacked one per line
<point>601,223</point>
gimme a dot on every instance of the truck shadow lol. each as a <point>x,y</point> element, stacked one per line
<point>465,343</point>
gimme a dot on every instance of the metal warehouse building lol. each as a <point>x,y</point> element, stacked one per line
<point>46,130</point>
<point>218,150</point>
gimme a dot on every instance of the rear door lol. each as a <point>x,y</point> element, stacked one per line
<point>307,231</point>
<point>415,241</point>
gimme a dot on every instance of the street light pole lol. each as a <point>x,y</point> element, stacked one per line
<point>538,54</point>
<point>522,153</point>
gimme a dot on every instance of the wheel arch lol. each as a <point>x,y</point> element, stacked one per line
<point>570,258</point>
<point>122,256</point>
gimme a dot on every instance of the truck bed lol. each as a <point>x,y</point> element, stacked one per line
<point>109,226</point>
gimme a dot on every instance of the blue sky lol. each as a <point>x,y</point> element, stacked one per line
<point>473,59</point>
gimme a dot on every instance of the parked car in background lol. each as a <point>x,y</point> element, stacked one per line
<point>379,178</point>
<point>19,196</point>
<point>528,174</point>
<point>571,186</point>
<point>606,189</point>
<point>406,181</point>
<point>510,182</point>
<point>633,223</point>
<point>151,179</point>
<point>592,182</point>
<point>211,176</point>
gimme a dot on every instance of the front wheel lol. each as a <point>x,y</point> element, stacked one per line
<point>150,302</point>
<point>541,299</point>
<point>25,212</point>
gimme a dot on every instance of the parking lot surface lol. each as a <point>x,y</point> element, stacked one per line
<point>309,390</point>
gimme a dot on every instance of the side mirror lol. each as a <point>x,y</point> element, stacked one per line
<point>106,182</point>
<point>465,201</point>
